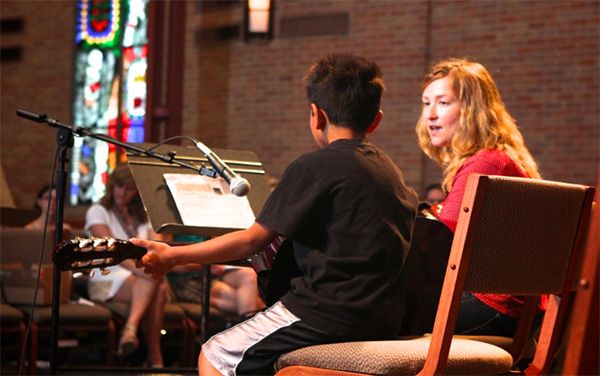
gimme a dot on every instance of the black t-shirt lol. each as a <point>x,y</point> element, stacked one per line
<point>350,215</point>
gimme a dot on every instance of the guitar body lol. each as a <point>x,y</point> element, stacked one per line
<point>273,283</point>
<point>423,274</point>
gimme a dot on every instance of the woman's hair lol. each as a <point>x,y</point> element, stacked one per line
<point>484,121</point>
<point>122,176</point>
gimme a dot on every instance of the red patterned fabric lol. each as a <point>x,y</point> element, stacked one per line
<point>488,162</point>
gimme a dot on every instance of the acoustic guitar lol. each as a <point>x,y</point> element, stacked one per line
<point>422,276</point>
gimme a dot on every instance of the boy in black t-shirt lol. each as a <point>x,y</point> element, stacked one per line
<point>349,214</point>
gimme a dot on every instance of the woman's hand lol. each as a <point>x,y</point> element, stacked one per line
<point>159,259</point>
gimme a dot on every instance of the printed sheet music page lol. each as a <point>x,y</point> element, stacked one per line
<point>207,202</point>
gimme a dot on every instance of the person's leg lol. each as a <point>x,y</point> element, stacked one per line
<point>139,292</point>
<point>223,297</point>
<point>477,318</point>
<point>243,281</point>
<point>253,346</point>
<point>152,325</point>
<point>205,368</point>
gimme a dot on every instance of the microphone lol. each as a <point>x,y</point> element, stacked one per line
<point>237,184</point>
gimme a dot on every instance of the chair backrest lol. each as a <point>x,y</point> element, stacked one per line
<point>514,236</point>
<point>23,246</point>
<point>583,341</point>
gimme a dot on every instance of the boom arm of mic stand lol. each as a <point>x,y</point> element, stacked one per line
<point>86,132</point>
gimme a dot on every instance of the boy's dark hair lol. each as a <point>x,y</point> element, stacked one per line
<point>347,87</point>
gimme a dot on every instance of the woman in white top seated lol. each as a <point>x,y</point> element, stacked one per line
<point>121,215</point>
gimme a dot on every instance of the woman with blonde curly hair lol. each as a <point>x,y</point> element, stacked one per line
<point>465,127</point>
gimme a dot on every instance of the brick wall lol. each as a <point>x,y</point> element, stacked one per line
<point>543,55</point>
<point>40,82</point>
<point>238,95</point>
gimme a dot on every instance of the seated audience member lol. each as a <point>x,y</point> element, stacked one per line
<point>434,194</point>
<point>465,127</point>
<point>233,289</point>
<point>121,215</point>
<point>47,193</point>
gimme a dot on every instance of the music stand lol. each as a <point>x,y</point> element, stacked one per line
<point>160,206</point>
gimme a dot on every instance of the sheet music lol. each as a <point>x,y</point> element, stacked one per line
<point>207,202</point>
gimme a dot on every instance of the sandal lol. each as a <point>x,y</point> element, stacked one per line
<point>129,341</point>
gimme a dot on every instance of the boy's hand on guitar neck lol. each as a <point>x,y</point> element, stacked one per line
<point>157,261</point>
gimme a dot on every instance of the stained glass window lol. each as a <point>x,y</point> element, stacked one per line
<point>110,88</point>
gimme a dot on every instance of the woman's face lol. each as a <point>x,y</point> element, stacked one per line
<point>43,201</point>
<point>441,111</point>
<point>124,194</point>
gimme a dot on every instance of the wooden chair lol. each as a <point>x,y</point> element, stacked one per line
<point>514,236</point>
<point>582,344</point>
<point>20,251</point>
<point>12,324</point>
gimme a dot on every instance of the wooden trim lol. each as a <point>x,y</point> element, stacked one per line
<point>582,347</point>
<point>175,67</point>
<point>154,69</point>
<point>311,371</point>
<point>456,274</point>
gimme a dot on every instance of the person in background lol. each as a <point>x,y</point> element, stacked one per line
<point>233,289</point>
<point>47,193</point>
<point>121,215</point>
<point>465,128</point>
<point>349,214</point>
<point>434,194</point>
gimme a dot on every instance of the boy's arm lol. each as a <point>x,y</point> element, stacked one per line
<point>233,246</point>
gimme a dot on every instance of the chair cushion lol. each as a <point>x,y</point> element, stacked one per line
<point>72,314</point>
<point>399,357</point>
<point>10,315</point>
<point>173,312</point>
<point>194,311</point>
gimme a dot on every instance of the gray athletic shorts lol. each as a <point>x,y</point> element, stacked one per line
<point>253,346</point>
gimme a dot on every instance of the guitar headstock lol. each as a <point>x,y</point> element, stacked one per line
<point>82,254</point>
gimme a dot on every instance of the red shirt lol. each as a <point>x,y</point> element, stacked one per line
<point>487,162</point>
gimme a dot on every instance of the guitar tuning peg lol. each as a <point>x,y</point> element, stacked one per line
<point>104,271</point>
<point>85,244</point>
<point>92,273</point>
<point>99,244</point>
<point>110,244</point>
<point>82,273</point>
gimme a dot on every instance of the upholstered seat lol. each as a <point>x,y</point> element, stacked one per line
<point>405,357</point>
<point>73,318</point>
<point>71,313</point>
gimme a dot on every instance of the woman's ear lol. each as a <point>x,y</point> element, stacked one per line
<point>375,122</point>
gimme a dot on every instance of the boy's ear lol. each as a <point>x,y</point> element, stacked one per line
<point>375,122</point>
<point>318,116</point>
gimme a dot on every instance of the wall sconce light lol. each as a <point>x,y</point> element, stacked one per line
<point>258,19</point>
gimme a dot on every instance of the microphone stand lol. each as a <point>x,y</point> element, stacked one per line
<point>64,140</point>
